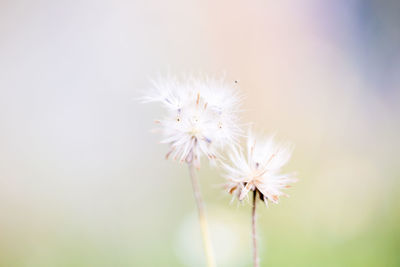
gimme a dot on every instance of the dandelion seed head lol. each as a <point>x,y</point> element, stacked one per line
<point>201,116</point>
<point>258,169</point>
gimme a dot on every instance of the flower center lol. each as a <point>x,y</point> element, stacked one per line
<point>194,131</point>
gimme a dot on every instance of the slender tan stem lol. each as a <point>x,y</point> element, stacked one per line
<point>202,217</point>
<point>256,260</point>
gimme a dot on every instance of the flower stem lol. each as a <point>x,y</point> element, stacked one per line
<point>256,260</point>
<point>202,216</point>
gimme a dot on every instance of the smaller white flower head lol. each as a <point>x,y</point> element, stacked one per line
<point>259,169</point>
<point>201,116</point>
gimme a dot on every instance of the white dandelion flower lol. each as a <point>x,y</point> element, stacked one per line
<point>201,116</point>
<point>259,169</point>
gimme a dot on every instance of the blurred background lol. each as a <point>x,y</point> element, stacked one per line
<point>83,182</point>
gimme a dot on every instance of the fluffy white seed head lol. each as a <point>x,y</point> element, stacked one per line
<point>201,116</point>
<point>258,169</point>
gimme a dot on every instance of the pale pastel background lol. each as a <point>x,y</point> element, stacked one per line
<point>83,182</point>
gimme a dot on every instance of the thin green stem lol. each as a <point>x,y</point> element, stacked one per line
<point>202,216</point>
<point>256,260</point>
